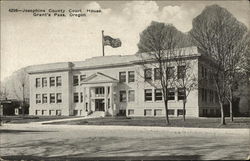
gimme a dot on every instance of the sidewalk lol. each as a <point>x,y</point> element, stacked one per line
<point>62,120</point>
<point>139,129</point>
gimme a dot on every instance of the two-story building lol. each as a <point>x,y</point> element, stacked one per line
<point>117,85</point>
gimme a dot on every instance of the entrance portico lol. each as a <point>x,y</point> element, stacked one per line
<point>99,92</point>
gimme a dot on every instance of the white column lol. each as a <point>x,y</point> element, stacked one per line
<point>105,98</point>
<point>111,99</point>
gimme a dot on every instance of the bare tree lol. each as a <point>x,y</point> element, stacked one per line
<point>160,42</point>
<point>185,79</point>
<point>215,31</point>
<point>20,87</point>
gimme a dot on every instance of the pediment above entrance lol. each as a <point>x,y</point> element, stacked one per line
<point>99,78</point>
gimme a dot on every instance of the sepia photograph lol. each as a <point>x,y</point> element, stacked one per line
<point>125,80</point>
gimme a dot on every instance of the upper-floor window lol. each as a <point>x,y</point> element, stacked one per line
<point>148,74</point>
<point>131,76</point>
<point>131,96</point>
<point>75,80</point>
<point>158,94</point>
<point>59,97</point>
<point>38,82</point>
<point>171,94</point>
<point>59,81</point>
<point>38,98</point>
<point>76,97</point>
<point>148,94</point>
<point>157,74</point>
<point>181,72</point>
<point>52,81</point>
<point>99,90</point>
<point>181,94</point>
<point>52,98</point>
<point>82,77</point>
<point>44,82</point>
<point>45,98</point>
<point>123,96</point>
<point>122,77</point>
<point>170,72</point>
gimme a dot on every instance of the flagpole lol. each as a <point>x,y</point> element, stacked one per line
<point>102,43</point>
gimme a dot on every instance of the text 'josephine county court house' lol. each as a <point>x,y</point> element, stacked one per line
<point>116,85</point>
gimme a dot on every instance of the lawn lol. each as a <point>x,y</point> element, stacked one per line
<point>239,122</point>
<point>27,119</point>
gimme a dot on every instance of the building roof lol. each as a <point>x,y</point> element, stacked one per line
<point>104,61</point>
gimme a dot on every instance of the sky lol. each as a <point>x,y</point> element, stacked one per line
<point>29,40</point>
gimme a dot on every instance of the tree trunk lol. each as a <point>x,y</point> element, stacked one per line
<point>166,108</point>
<point>223,122</point>
<point>184,110</point>
<point>231,110</point>
<point>23,103</point>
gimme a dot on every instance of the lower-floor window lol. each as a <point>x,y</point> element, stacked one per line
<point>59,98</point>
<point>131,112</point>
<point>38,98</point>
<point>51,112</point>
<point>204,111</point>
<point>148,94</point>
<point>148,112</point>
<point>180,112</point>
<point>52,98</point>
<point>76,98</point>
<point>43,112</point>
<point>75,112</point>
<point>123,97</point>
<point>158,112</point>
<point>58,112</point>
<point>171,112</point>
<point>158,95</point>
<point>181,94</point>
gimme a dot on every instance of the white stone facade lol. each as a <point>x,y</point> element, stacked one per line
<point>113,84</point>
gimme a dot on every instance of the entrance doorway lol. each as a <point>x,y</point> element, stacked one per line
<point>99,104</point>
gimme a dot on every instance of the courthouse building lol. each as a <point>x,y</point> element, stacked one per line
<point>118,85</point>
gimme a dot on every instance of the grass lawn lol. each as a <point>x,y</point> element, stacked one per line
<point>240,122</point>
<point>27,118</point>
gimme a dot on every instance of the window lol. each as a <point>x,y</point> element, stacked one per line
<point>157,74</point>
<point>131,96</point>
<point>211,96</point>
<point>148,94</point>
<point>158,112</point>
<point>52,81</point>
<point>122,77</point>
<point>170,72</point>
<point>205,112</point>
<point>99,90</point>
<point>131,76</point>
<point>148,112</point>
<point>131,112</point>
<point>180,112</point>
<point>43,112</point>
<point>81,96</point>
<point>82,77</point>
<point>58,81</point>
<point>52,98</point>
<point>181,94</point>
<point>171,94</point>
<point>45,98</point>
<point>181,71</point>
<point>58,112</point>
<point>158,95</point>
<point>170,112</point>
<point>148,74</point>
<point>75,80</point>
<point>205,94</point>
<point>76,98</point>
<point>59,98</point>
<point>44,82</point>
<point>203,72</point>
<point>38,82</point>
<point>38,98</point>
<point>123,97</point>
